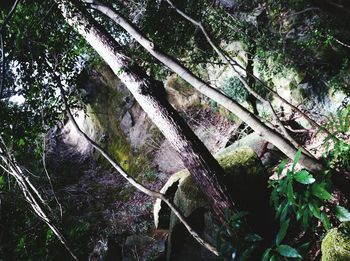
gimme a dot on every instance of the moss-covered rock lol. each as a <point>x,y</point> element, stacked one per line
<point>336,244</point>
<point>108,103</point>
<point>188,198</point>
<point>246,180</point>
<point>161,212</point>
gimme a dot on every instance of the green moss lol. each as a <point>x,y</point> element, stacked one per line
<point>241,162</point>
<point>190,189</point>
<point>244,174</point>
<point>336,244</point>
<point>105,111</point>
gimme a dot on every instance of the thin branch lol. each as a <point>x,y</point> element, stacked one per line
<point>2,77</point>
<point>302,11</point>
<point>234,63</point>
<point>27,188</point>
<point>45,168</point>
<point>239,76</point>
<point>130,179</point>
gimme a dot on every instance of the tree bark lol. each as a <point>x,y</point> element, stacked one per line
<point>150,94</point>
<point>253,121</point>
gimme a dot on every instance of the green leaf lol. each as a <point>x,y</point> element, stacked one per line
<point>290,193</point>
<point>342,214</point>
<point>315,210</point>
<point>274,258</point>
<point>318,189</point>
<point>288,251</point>
<point>282,232</point>
<point>49,235</point>
<point>284,212</point>
<point>21,244</point>
<point>305,221</point>
<point>304,177</point>
<point>296,158</point>
<point>266,254</point>
<point>274,198</point>
<point>325,221</point>
<point>281,167</point>
<point>21,142</point>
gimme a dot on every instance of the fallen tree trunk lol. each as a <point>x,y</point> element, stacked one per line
<point>151,96</point>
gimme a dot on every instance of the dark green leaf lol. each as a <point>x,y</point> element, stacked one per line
<point>304,177</point>
<point>273,258</point>
<point>319,190</point>
<point>296,158</point>
<point>284,212</point>
<point>281,167</point>
<point>290,193</point>
<point>288,251</point>
<point>282,232</point>
<point>315,210</point>
<point>246,255</point>
<point>2,182</point>
<point>266,254</point>
<point>325,221</point>
<point>342,213</point>
<point>305,221</point>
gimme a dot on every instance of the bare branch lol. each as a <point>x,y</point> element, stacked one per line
<point>27,189</point>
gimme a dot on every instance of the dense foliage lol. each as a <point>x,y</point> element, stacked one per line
<point>42,50</point>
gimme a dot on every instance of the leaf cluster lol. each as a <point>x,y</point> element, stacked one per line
<point>300,198</point>
<point>234,241</point>
<point>338,149</point>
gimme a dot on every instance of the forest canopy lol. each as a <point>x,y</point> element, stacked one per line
<point>103,104</point>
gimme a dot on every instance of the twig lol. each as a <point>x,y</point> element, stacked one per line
<point>49,178</point>
<point>27,187</point>
<point>301,12</point>
<point>341,43</point>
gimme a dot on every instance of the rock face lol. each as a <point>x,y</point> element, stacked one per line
<point>161,212</point>
<point>336,244</point>
<point>244,174</point>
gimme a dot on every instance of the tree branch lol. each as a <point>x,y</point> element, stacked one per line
<point>239,76</point>
<point>250,119</point>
